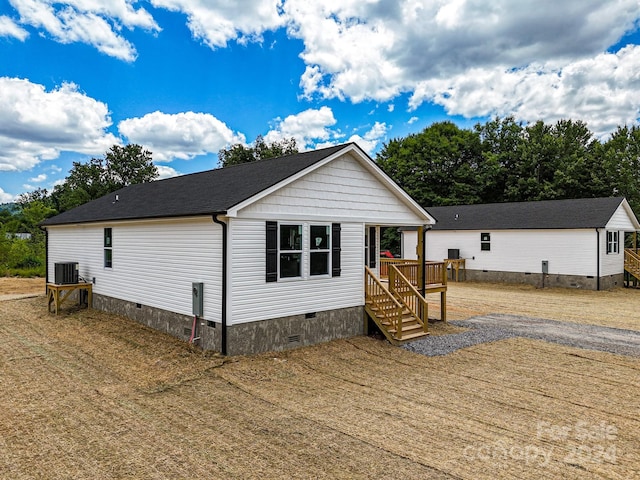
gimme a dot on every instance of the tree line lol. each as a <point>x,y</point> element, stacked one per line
<point>504,160</point>
<point>22,242</point>
<point>501,160</point>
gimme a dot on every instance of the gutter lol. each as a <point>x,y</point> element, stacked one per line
<point>225,248</point>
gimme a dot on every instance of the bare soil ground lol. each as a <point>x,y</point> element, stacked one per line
<point>90,395</point>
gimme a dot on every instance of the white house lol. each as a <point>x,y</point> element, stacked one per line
<point>278,248</point>
<point>568,243</point>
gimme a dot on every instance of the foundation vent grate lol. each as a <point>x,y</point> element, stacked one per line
<point>294,338</point>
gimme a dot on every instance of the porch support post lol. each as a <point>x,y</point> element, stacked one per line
<point>421,259</point>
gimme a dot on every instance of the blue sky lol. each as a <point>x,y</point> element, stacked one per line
<point>186,78</point>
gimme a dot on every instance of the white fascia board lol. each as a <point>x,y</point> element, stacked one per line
<point>365,160</point>
<point>632,215</point>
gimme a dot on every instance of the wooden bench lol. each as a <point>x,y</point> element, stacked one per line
<point>57,294</point>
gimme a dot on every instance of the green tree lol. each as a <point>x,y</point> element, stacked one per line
<point>437,166</point>
<point>238,153</point>
<point>621,159</point>
<point>121,166</point>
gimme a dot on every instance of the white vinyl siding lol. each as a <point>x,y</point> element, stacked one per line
<point>620,220</point>
<point>154,262</point>
<point>253,299</point>
<point>340,191</point>
<point>569,252</point>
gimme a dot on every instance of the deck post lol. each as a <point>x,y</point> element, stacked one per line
<point>421,259</point>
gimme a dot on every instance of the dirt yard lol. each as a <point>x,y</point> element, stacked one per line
<point>90,395</point>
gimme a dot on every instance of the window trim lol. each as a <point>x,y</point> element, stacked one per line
<point>485,241</point>
<point>325,251</point>
<point>108,247</point>
<point>291,252</point>
<point>613,242</point>
<point>273,251</point>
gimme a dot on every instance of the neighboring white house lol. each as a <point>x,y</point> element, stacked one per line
<point>277,246</point>
<point>568,243</point>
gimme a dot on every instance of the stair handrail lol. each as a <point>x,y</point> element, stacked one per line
<point>396,319</point>
<point>631,260</point>
<point>400,285</point>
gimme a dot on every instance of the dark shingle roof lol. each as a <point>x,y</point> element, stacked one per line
<point>204,193</point>
<point>545,214</point>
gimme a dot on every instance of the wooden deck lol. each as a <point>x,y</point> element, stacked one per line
<point>396,301</point>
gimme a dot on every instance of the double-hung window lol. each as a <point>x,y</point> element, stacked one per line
<point>290,251</point>
<point>485,242</point>
<point>108,248</point>
<point>613,242</point>
<point>320,248</point>
<point>302,250</point>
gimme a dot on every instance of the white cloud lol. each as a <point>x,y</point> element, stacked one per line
<point>39,179</point>
<point>391,108</point>
<point>7,197</point>
<point>166,172</point>
<point>376,50</point>
<point>8,28</point>
<point>306,127</point>
<point>215,22</point>
<point>182,135</point>
<point>603,91</point>
<point>372,138</point>
<point>94,22</point>
<point>37,125</point>
<point>412,120</point>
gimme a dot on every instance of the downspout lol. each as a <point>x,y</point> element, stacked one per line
<point>46,258</point>
<point>223,337</point>
<point>598,260</point>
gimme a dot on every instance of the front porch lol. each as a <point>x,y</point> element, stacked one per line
<point>396,298</point>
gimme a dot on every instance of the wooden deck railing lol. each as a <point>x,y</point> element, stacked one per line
<point>382,299</point>
<point>435,272</point>
<point>408,296</point>
<point>632,262</point>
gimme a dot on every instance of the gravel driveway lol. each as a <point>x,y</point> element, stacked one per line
<point>493,327</point>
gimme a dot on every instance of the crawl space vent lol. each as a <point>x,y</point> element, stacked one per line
<point>294,338</point>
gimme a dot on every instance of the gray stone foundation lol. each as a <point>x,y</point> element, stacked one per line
<point>255,337</point>
<point>542,281</point>
<point>172,323</point>
<point>290,332</point>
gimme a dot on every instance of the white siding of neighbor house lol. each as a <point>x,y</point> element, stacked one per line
<point>569,252</point>
<point>253,299</point>
<point>611,263</point>
<point>342,190</point>
<point>620,221</point>
<point>154,262</point>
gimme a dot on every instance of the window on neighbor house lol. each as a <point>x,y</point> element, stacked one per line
<point>290,251</point>
<point>320,248</point>
<point>108,245</point>
<point>485,242</point>
<point>613,242</point>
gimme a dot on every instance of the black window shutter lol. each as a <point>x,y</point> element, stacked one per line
<point>335,250</point>
<point>272,252</point>
<point>372,247</point>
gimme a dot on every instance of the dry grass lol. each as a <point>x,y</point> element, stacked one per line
<point>91,395</point>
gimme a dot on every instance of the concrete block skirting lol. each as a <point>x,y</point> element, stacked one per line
<point>552,280</point>
<point>172,323</point>
<point>244,339</point>
<point>295,331</point>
